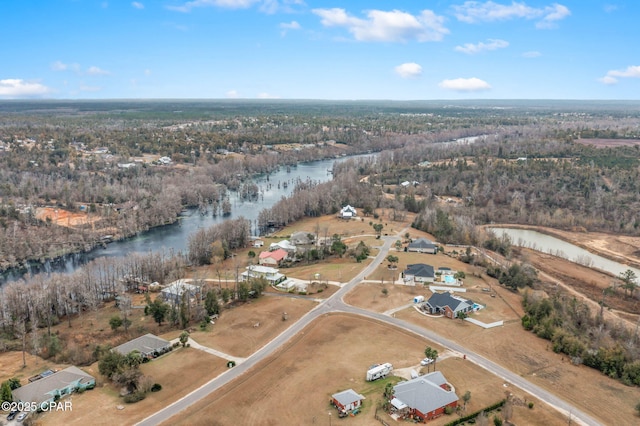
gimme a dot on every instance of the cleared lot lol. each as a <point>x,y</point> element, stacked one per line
<point>294,386</point>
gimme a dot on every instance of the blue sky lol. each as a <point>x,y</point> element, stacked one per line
<point>318,49</point>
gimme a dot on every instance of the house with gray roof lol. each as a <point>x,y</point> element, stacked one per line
<point>422,245</point>
<point>448,305</point>
<point>418,273</point>
<point>302,238</point>
<point>174,292</point>
<point>149,346</point>
<point>54,386</point>
<point>347,400</point>
<point>425,397</point>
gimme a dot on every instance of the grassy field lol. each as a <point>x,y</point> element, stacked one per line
<point>179,372</point>
<point>235,333</point>
<point>294,386</point>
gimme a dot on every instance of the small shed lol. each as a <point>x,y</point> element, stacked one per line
<point>347,400</point>
<point>418,299</point>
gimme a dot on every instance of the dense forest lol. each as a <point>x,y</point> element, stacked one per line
<point>454,166</point>
<point>501,161</point>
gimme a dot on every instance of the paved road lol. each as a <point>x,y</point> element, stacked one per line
<point>335,304</point>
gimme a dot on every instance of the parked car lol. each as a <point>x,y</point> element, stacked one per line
<point>22,416</point>
<point>426,361</point>
<point>12,415</point>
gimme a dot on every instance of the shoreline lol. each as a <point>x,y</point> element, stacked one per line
<point>562,235</point>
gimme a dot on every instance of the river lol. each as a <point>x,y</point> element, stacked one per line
<point>547,244</point>
<point>175,237</point>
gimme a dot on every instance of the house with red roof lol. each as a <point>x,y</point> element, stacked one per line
<point>272,258</point>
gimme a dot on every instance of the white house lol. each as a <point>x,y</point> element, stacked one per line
<point>272,275</point>
<point>347,212</point>
<point>284,245</point>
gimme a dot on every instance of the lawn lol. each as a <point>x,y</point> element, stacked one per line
<point>235,332</point>
<point>294,386</point>
<point>179,372</point>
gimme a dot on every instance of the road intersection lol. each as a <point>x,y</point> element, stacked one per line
<point>335,304</point>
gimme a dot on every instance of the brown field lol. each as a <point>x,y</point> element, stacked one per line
<point>344,228</point>
<point>63,217</point>
<point>333,353</point>
<point>234,332</point>
<point>506,306</point>
<point>332,269</point>
<point>11,366</point>
<point>531,357</point>
<point>608,143</point>
<point>294,386</point>
<point>99,406</point>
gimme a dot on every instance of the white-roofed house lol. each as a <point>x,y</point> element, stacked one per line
<point>284,245</point>
<point>348,212</point>
<point>272,275</point>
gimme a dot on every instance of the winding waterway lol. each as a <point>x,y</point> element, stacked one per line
<point>175,237</point>
<point>547,244</point>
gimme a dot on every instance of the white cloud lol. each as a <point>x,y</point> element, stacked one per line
<point>137,5</point>
<point>18,88</point>
<point>93,70</point>
<point>409,70</point>
<point>265,95</point>
<point>286,26</point>
<point>147,72</point>
<point>612,76</point>
<point>61,66</point>
<point>474,11</point>
<point>293,25</point>
<point>465,84</point>
<point>228,4</point>
<point>233,94</point>
<point>532,54</point>
<point>470,48</point>
<point>391,26</point>
<point>552,14</point>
